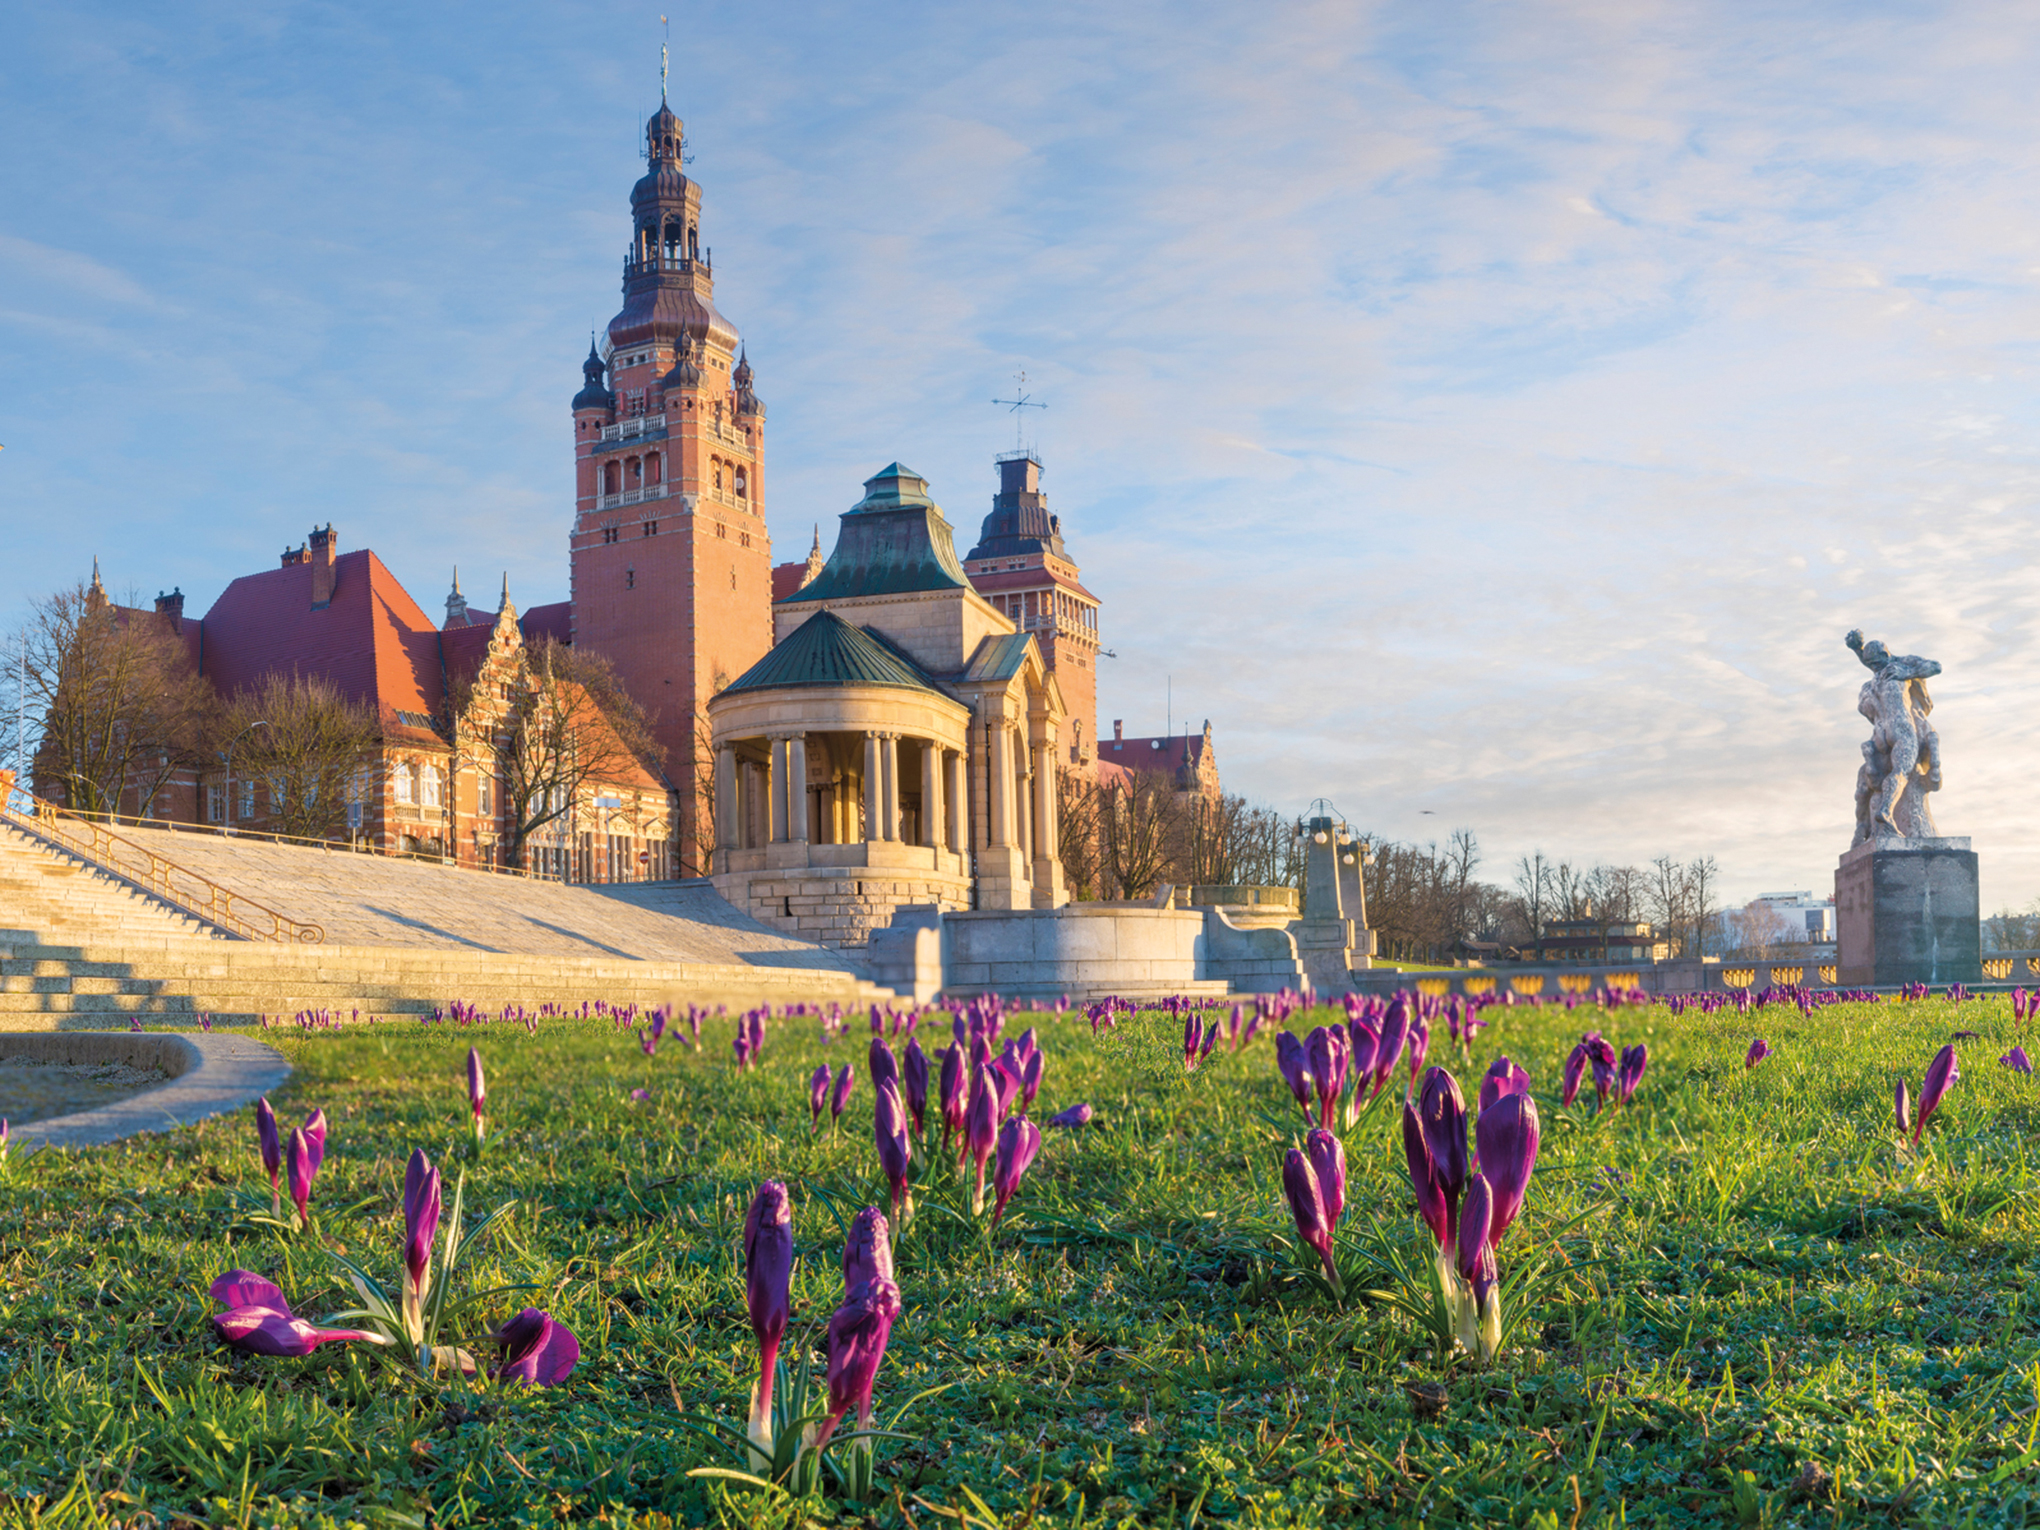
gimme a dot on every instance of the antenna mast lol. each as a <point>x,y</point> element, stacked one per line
<point>1019,401</point>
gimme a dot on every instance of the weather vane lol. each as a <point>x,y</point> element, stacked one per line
<point>1018,402</point>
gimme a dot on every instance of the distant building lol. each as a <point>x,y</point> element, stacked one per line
<point>1597,942</point>
<point>1812,919</point>
<point>1188,757</point>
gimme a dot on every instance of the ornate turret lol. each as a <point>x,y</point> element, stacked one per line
<point>593,395</point>
<point>748,402</point>
<point>1019,522</point>
<point>686,371</point>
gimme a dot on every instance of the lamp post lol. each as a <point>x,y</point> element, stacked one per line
<point>228,756</point>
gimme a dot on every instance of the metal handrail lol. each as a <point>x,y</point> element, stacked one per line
<point>162,878</point>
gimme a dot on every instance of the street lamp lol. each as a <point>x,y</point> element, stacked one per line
<point>228,756</point>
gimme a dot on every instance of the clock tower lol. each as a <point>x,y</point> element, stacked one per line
<point>671,566</point>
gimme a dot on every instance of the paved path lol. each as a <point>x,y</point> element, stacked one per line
<point>371,900</point>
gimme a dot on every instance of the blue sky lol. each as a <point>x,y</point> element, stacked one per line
<point>1501,410</point>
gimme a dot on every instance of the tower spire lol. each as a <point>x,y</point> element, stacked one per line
<point>662,58</point>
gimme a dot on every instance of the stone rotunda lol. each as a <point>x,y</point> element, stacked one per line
<point>898,744</point>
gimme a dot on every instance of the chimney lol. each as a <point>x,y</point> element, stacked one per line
<point>295,555</point>
<point>321,544</point>
<point>172,606</point>
<point>1118,730</point>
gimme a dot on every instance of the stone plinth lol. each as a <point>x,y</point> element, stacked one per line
<point>1907,912</point>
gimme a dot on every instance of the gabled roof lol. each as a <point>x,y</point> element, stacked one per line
<point>555,621</point>
<point>825,650</point>
<point>998,657</point>
<point>371,640</point>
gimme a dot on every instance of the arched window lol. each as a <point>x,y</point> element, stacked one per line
<point>407,785</point>
<point>612,478</point>
<point>637,469</point>
<point>740,483</point>
<point>652,468</point>
<point>718,473</point>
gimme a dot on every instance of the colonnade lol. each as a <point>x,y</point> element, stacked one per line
<point>780,784</point>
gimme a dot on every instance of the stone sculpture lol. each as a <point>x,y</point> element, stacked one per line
<point>1902,758</point>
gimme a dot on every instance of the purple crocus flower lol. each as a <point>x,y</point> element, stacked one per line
<point>1289,1057</point>
<point>981,1130</point>
<point>846,1079</point>
<point>858,1333</point>
<point>538,1350</point>
<point>1019,1142</point>
<point>2017,1060</point>
<point>818,1093</point>
<point>1326,1057</point>
<point>1419,1047</point>
<point>1075,1116</point>
<point>1030,1078</point>
<point>1327,1157</point>
<point>1193,1040</point>
<point>477,1091</point>
<point>883,1064</point>
<point>1362,1041</point>
<point>867,1252</point>
<point>1307,1206</point>
<point>1601,1059</point>
<point>1502,1077</point>
<point>1759,1050</point>
<point>1005,1077</point>
<point>768,1277</point>
<point>914,1074</point>
<point>1630,1072</point>
<point>1506,1135</point>
<point>1481,1322</point>
<point>1444,1115</point>
<point>1395,1034</point>
<point>421,1227</point>
<point>895,1148</point>
<point>1942,1073</point>
<point>315,1138</point>
<point>1901,1108</point>
<point>1575,1071</point>
<point>953,1100</point>
<point>299,1168</point>
<point>272,1151</point>
<point>257,1319</point>
<point>1432,1204</point>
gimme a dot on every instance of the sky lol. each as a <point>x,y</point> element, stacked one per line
<point>1487,415</point>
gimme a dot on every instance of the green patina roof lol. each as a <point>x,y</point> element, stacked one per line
<point>825,650</point>
<point>893,541</point>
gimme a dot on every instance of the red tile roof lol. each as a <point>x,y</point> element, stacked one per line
<point>786,578</point>
<point>555,621</point>
<point>371,640</point>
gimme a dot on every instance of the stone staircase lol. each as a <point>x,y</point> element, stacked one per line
<point>80,949</point>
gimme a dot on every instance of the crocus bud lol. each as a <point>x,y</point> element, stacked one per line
<point>538,1350</point>
<point>768,1279</point>
<point>895,1149</point>
<point>914,1074</point>
<point>1575,1071</point>
<point>1327,1157</point>
<point>867,1252</point>
<point>1307,1206</point>
<point>1030,1079</point>
<point>1075,1116</point>
<point>1476,1215</point>
<point>299,1169</point>
<point>1759,1050</point>
<point>421,1227</point>
<point>1630,1072</point>
<point>981,1129</point>
<point>1502,1077</point>
<point>1395,1032</point>
<point>883,1064</point>
<point>1506,1136</point>
<point>1901,1106</point>
<point>1942,1073</point>
<point>1019,1142</point>
<point>1444,1115</point>
<point>1432,1204</point>
<point>315,1138</point>
<point>1322,1055</point>
<point>1004,1074</point>
<point>953,1101</point>
<point>1193,1040</point>
<point>858,1333</point>
<point>477,1090</point>
<point>846,1078</point>
<point>271,1143</point>
<point>1419,1047</point>
<point>1362,1041</point>
<point>1289,1057</point>
<point>818,1092</point>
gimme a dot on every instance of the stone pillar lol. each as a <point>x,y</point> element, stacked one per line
<point>775,782</point>
<point>999,776</point>
<point>1023,806</point>
<point>874,811</point>
<point>796,789</point>
<point>895,820</point>
<point>726,797</point>
<point>958,837</point>
<point>931,794</point>
<point>1044,802</point>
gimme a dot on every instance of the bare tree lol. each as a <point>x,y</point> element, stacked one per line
<point>1703,879</point>
<point>570,724</point>
<point>1666,896</point>
<point>1078,808</point>
<point>113,698</point>
<point>1533,890</point>
<point>1137,822</point>
<point>315,741</point>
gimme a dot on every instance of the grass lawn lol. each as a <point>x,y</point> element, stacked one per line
<point>1775,1314</point>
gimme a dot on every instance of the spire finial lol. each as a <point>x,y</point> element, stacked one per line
<point>662,58</point>
<point>456,579</point>
<point>506,591</point>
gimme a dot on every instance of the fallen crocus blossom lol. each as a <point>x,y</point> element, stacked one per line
<point>2016,1060</point>
<point>538,1350</point>
<point>1074,1116</point>
<point>258,1320</point>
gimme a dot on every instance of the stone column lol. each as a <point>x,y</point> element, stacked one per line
<point>796,789</point>
<point>999,776</point>
<point>726,820</point>
<point>874,795</point>
<point>775,781</point>
<point>1044,803</point>
<point>931,794</point>
<point>890,756</point>
<point>1023,816</point>
<point>958,838</point>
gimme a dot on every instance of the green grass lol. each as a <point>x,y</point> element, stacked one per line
<point>1768,1291</point>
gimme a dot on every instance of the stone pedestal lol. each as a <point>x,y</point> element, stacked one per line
<point>1907,912</point>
